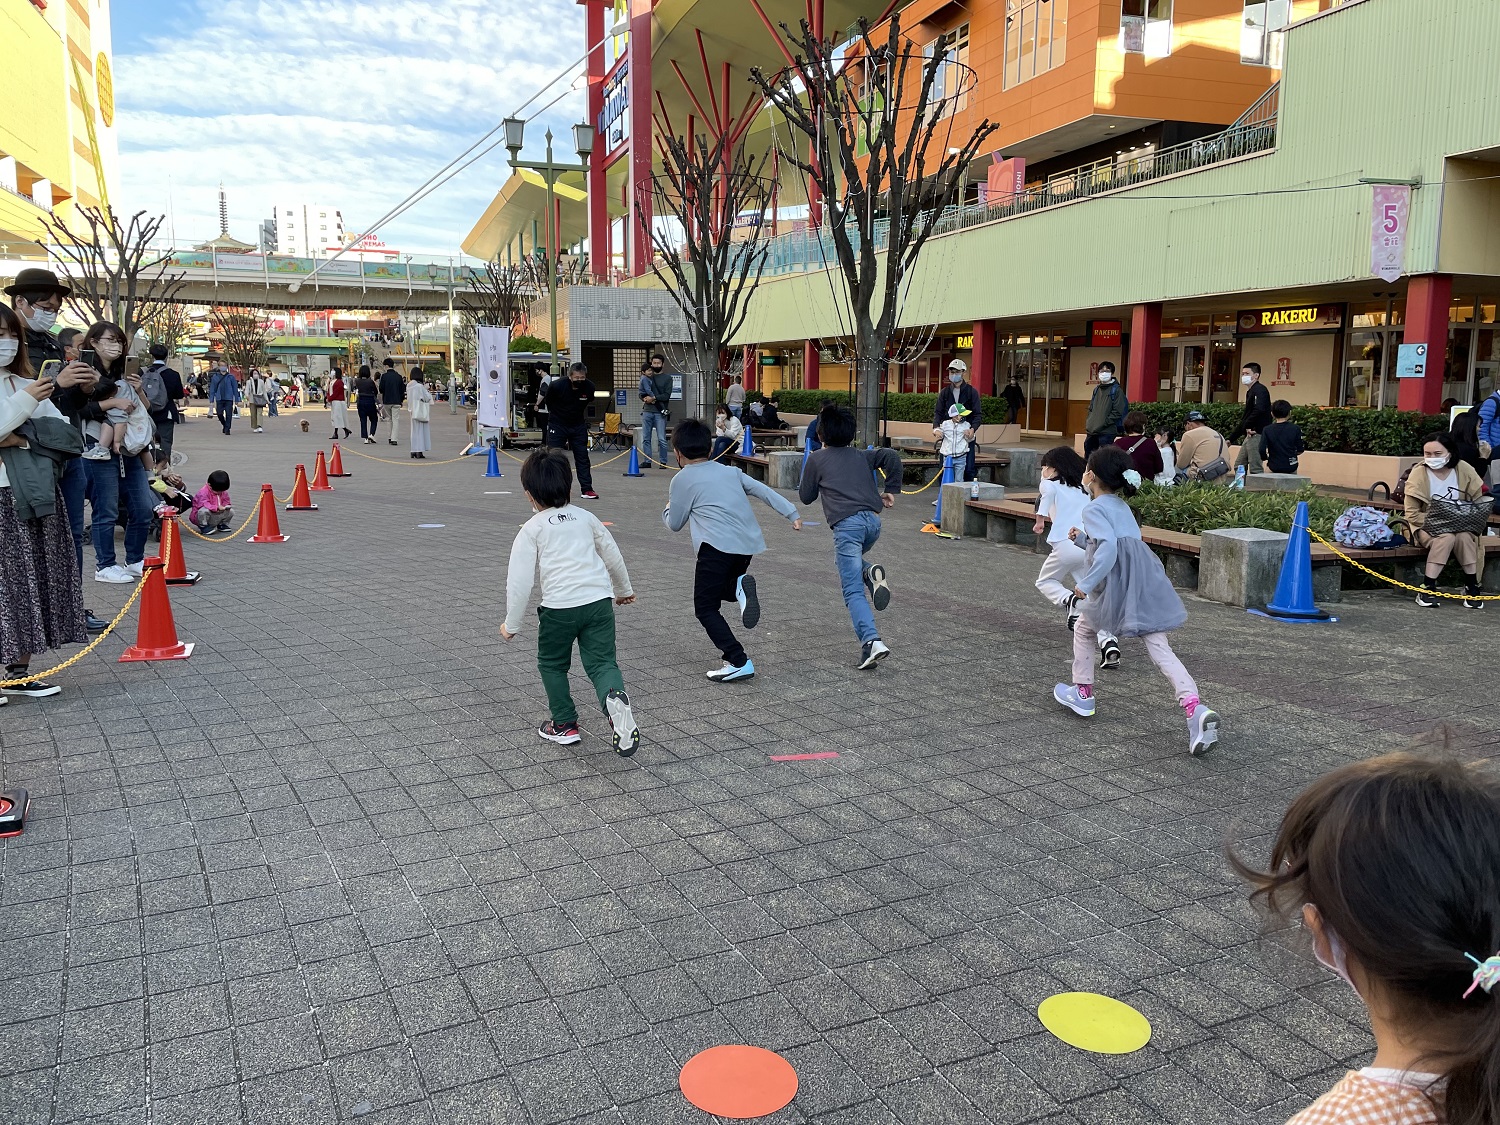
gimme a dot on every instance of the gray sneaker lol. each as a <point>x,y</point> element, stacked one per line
<point>1203,730</point>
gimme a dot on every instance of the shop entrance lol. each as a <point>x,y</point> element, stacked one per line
<point>1039,364</point>
<point>1196,370</point>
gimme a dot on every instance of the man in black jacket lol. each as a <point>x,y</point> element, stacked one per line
<point>1254,421</point>
<point>166,415</point>
<point>568,401</point>
<point>392,395</point>
<point>959,390</point>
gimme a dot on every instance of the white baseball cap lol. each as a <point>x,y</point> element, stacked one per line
<point>958,365</point>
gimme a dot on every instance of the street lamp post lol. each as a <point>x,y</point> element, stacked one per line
<point>583,142</point>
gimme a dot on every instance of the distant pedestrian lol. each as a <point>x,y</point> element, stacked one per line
<point>728,433</point>
<point>1253,422</point>
<point>1107,409</point>
<point>392,395</point>
<point>224,392</point>
<point>258,391</point>
<point>583,579</point>
<point>338,404</point>
<point>158,375</point>
<point>365,395</point>
<point>419,404</point>
<point>568,402</point>
<point>734,397</point>
<point>656,397</point>
<point>1015,400</point>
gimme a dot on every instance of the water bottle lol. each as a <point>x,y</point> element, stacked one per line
<point>1239,478</point>
<point>974,491</point>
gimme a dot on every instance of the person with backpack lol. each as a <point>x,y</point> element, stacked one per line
<point>1489,435</point>
<point>392,395</point>
<point>161,387</point>
<point>1107,409</point>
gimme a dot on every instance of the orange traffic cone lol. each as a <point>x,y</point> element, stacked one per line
<point>301,498</point>
<point>336,464</point>
<point>320,475</point>
<point>156,633</point>
<point>268,530</point>
<point>171,549</point>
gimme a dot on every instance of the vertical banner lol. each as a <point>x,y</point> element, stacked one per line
<point>1388,215</point>
<point>492,377</point>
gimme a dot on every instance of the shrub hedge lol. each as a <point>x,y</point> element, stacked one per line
<point>1194,507</point>
<point>899,407</point>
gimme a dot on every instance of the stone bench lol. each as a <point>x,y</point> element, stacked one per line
<point>1276,482</point>
<point>756,466</point>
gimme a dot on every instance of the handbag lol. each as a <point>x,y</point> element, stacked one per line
<point>422,411</point>
<point>1214,469</point>
<point>1458,517</point>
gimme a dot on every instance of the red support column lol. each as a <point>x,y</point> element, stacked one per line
<point>599,247</point>
<point>810,359</point>
<point>982,370</point>
<point>1145,353</point>
<point>641,135</point>
<point>1427,301</point>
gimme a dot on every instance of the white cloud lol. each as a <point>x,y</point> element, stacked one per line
<point>346,103</point>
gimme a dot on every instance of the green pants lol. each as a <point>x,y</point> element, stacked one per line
<point>593,627</point>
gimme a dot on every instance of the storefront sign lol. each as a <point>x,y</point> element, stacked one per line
<point>614,120</point>
<point>1388,215</point>
<point>1104,333</point>
<point>963,343</point>
<point>1004,180</point>
<point>620,398</point>
<point>770,361</point>
<point>1284,373</point>
<point>493,376</point>
<point>1303,318</point>
<point>1411,361</point>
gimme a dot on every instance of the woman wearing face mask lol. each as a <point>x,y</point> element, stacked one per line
<point>1391,864</point>
<point>1433,489</point>
<point>41,599</point>
<point>116,474</point>
<point>728,432</point>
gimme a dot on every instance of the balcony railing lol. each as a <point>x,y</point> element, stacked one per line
<point>1254,132</point>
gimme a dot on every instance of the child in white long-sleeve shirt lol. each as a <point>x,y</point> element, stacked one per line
<point>583,579</point>
<point>1062,502</point>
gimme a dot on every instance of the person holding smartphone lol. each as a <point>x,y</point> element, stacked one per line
<point>41,596</point>
<point>119,476</point>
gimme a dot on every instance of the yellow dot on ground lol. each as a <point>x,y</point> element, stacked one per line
<point>1096,1023</point>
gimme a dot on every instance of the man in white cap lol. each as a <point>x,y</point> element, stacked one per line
<point>960,392</point>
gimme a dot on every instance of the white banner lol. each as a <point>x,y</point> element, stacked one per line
<point>1388,215</point>
<point>493,377</point>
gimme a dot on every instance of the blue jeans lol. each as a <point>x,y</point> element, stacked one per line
<point>75,486</point>
<point>852,537</point>
<point>652,421</point>
<point>224,409</point>
<point>720,445</point>
<point>105,490</point>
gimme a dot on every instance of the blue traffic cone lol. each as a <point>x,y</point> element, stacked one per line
<point>635,464</point>
<point>493,468</point>
<point>1293,600</point>
<point>937,515</point>
<point>747,447</point>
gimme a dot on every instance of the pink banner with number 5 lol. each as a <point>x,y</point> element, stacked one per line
<point>1388,216</point>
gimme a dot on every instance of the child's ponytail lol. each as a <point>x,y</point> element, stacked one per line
<point>1473,1094</point>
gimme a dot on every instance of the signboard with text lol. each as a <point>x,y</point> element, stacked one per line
<point>1104,333</point>
<point>493,376</point>
<point>1411,361</point>
<point>1300,318</point>
<point>614,119</point>
<point>1389,212</point>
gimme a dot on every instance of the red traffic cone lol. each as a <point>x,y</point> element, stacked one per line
<point>171,549</point>
<point>156,634</point>
<point>320,475</point>
<point>301,498</point>
<point>336,463</point>
<point>268,530</point>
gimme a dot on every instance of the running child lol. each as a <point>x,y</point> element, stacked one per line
<point>1062,500</point>
<point>583,579</point>
<point>1126,592</point>
<point>1391,864</point>
<point>852,502</point>
<point>712,499</point>
<point>212,510</point>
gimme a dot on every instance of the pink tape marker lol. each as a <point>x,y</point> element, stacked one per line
<point>803,757</point>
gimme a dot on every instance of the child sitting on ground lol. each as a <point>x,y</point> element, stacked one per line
<point>583,579</point>
<point>1391,865</point>
<point>172,490</point>
<point>212,512</point>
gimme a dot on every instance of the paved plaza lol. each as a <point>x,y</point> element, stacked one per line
<point>325,870</point>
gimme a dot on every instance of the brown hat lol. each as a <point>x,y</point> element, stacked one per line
<point>36,278</point>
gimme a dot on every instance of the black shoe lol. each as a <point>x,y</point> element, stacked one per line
<point>421,456</point>
<point>872,653</point>
<point>347,432</point>
<point>37,689</point>
<point>94,624</point>
<point>1428,598</point>
<point>749,602</point>
<point>1110,649</point>
<point>1074,613</point>
<point>1472,594</point>
<point>390,441</point>
<point>880,591</point>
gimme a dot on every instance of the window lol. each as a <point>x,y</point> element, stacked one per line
<point>1036,38</point>
<point>1262,32</point>
<point>951,83</point>
<point>1146,27</point>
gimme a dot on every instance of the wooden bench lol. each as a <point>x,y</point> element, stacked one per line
<point>756,466</point>
<point>985,462</point>
<point>777,438</point>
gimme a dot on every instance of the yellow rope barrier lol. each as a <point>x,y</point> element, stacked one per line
<point>88,648</point>
<point>1397,582</point>
<point>412,462</point>
<point>187,525</point>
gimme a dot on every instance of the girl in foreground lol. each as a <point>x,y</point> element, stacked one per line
<point>1126,593</point>
<point>1394,867</point>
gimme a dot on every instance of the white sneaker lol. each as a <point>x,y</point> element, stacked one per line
<point>116,574</point>
<point>258,430</point>
<point>135,569</point>
<point>96,453</point>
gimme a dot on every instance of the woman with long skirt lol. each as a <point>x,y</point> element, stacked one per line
<point>419,404</point>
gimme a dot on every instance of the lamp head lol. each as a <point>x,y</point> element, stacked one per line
<point>515,135</point>
<point>583,139</point>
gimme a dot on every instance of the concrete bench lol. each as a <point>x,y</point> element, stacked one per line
<point>756,466</point>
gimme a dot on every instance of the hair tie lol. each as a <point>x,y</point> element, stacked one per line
<point>1133,477</point>
<point>1486,973</point>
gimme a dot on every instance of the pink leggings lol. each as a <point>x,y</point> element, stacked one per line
<point>1085,650</point>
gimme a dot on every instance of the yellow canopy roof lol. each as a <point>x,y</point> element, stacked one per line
<point>522,200</point>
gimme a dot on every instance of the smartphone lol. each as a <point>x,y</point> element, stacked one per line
<point>90,357</point>
<point>133,365</point>
<point>50,369</point>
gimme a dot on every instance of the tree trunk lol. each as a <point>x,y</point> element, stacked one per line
<point>869,370</point>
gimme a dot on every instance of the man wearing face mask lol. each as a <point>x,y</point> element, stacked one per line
<point>37,296</point>
<point>1254,421</point>
<point>962,393</point>
<point>1107,410</point>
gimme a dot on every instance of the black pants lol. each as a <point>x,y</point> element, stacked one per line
<point>224,408</point>
<point>714,584</point>
<point>369,414</point>
<point>1094,441</point>
<point>575,438</point>
<point>165,427</point>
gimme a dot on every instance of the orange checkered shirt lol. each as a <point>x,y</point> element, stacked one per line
<point>1359,1100</point>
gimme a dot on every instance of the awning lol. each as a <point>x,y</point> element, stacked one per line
<point>519,203</point>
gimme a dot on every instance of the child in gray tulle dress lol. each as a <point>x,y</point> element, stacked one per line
<point>1126,591</point>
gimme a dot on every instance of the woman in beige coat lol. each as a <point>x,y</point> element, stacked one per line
<point>1442,476</point>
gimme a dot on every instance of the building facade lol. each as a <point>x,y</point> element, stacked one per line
<point>58,146</point>
<point>305,230</point>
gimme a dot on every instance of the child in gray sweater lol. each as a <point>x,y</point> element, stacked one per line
<point>713,500</point>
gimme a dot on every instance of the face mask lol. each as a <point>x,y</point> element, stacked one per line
<point>1106,376</point>
<point>955,378</point>
<point>1247,379</point>
<point>1436,462</point>
<point>1337,961</point>
<point>41,320</point>
<point>8,350</point>
<point>109,350</point>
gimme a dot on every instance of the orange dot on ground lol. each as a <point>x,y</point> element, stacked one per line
<point>738,1082</point>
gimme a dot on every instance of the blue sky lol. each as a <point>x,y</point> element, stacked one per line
<point>343,103</point>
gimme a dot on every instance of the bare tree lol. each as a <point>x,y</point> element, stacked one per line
<point>115,273</point>
<point>710,240</point>
<point>873,134</point>
<point>244,331</point>
<point>501,296</point>
<point>170,325</point>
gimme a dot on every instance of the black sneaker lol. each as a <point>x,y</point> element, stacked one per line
<point>744,593</point>
<point>94,624</point>
<point>36,689</point>
<point>1472,596</point>
<point>1110,650</point>
<point>1428,598</point>
<point>1074,613</point>
<point>565,733</point>
<point>880,591</point>
<point>872,653</point>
